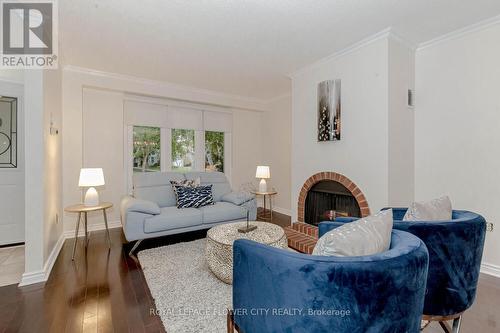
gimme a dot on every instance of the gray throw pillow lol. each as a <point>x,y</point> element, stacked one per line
<point>363,237</point>
<point>434,210</point>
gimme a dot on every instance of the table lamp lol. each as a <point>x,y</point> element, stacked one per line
<point>263,173</point>
<point>90,177</point>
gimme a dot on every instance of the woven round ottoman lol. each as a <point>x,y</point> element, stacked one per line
<point>220,239</point>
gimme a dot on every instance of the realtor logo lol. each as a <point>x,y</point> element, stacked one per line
<point>29,34</point>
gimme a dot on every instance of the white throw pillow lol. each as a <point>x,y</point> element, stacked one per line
<point>362,237</point>
<point>435,210</point>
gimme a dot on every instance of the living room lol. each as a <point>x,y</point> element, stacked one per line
<point>156,141</point>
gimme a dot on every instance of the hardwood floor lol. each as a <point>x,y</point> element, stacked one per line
<point>105,291</point>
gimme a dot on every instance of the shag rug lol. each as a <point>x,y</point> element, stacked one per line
<point>188,297</point>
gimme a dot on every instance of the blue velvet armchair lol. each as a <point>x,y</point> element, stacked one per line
<point>455,252</point>
<point>280,291</point>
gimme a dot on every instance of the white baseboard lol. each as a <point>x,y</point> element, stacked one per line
<point>280,210</point>
<point>43,275</point>
<point>92,227</point>
<point>490,269</point>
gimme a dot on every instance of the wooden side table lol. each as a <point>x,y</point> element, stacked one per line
<point>82,209</point>
<point>264,215</point>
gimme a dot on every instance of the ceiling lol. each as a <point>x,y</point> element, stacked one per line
<point>241,47</point>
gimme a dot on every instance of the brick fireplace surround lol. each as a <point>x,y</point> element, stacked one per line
<point>302,236</point>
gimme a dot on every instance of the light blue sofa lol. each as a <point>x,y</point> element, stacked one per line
<point>152,211</point>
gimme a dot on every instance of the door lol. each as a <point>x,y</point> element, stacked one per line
<point>11,164</point>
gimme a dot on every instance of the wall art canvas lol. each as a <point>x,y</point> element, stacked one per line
<point>329,110</point>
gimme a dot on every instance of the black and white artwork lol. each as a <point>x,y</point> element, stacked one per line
<point>329,109</point>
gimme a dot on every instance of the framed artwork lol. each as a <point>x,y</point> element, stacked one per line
<point>8,132</point>
<point>329,110</point>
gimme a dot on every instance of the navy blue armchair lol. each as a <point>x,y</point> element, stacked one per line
<point>455,252</point>
<point>277,290</point>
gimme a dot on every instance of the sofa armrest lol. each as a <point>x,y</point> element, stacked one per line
<point>131,204</point>
<point>237,198</point>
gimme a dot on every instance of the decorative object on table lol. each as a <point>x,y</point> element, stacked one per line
<point>263,173</point>
<point>434,210</point>
<point>379,293</point>
<point>265,215</point>
<point>8,132</point>
<point>91,177</point>
<point>329,110</point>
<point>82,209</point>
<point>194,197</point>
<point>366,236</point>
<point>456,248</point>
<point>219,248</point>
<point>247,227</point>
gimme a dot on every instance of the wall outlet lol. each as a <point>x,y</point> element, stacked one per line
<point>489,226</point>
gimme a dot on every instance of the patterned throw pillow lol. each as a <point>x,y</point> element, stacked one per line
<point>193,197</point>
<point>186,182</point>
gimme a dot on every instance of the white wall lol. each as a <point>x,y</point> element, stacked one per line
<point>362,153</point>
<point>93,114</point>
<point>276,149</point>
<point>401,125</point>
<point>52,179</point>
<point>34,166</point>
<point>457,126</point>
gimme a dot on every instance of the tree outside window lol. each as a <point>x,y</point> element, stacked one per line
<point>182,150</point>
<point>146,149</point>
<point>214,151</point>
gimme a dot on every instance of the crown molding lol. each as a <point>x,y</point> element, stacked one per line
<point>227,100</point>
<point>278,97</point>
<point>485,24</point>
<point>386,33</point>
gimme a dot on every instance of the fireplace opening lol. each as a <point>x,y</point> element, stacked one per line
<point>328,199</point>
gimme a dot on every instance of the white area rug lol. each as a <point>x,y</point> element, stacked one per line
<point>188,297</point>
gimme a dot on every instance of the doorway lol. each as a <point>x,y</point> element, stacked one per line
<point>12,189</point>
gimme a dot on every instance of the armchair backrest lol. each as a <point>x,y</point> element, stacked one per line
<point>455,253</point>
<point>278,290</point>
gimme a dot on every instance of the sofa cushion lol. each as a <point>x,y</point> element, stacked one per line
<point>156,187</point>
<point>221,212</point>
<point>173,218</point>
<point>237,198</point>
<point>219,180</point>
<point>366,236</point>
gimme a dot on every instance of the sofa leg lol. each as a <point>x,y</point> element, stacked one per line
<point>456,324</point>
<point>131,253</point>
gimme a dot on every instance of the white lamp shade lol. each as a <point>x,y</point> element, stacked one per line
<point>263,172</point>
<point>90,177</point>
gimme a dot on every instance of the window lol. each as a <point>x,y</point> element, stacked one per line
<point>8,132</point>
<point>214,151</point>
<point>146,149</point>
<point>182,150</point>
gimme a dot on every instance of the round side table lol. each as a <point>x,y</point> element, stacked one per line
<point>81,209</point>
<point>264,215</point>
